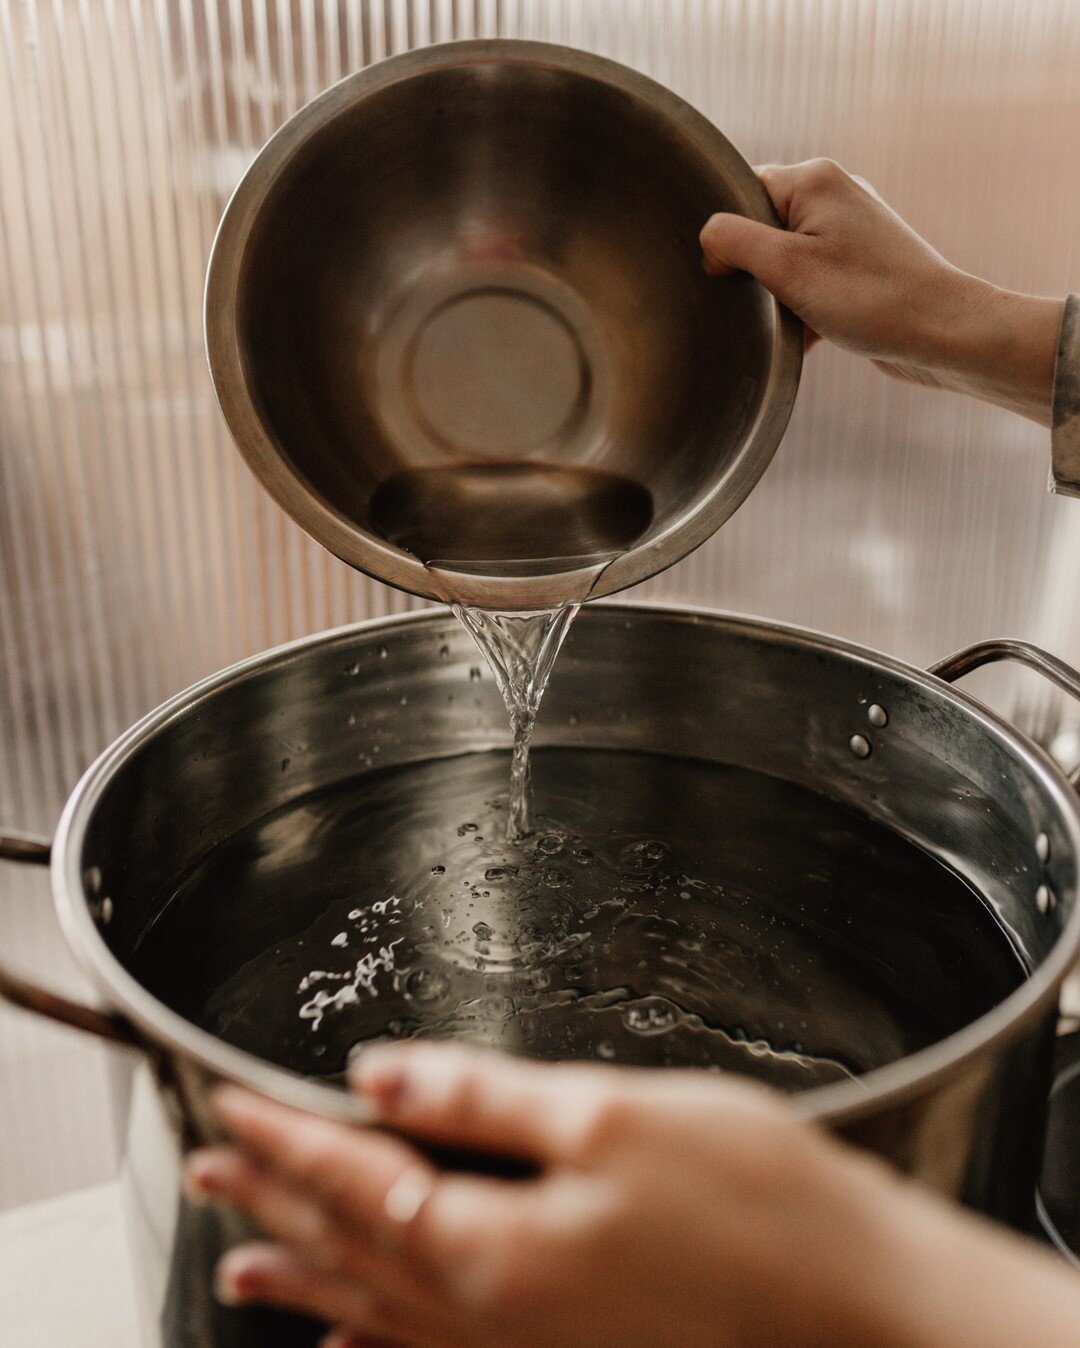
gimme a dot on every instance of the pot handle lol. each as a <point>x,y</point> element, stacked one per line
<point>955,666</point>
<point>19,991</point>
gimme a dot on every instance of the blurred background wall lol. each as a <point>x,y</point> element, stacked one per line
<point>136,555</point>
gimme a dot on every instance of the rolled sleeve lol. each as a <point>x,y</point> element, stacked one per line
<point>1065,432</point>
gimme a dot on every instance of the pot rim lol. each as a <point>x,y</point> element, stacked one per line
<point>315,514</point>
<point>836,1103</point>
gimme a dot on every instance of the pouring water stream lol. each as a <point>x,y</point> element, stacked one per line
<point>507,520</point>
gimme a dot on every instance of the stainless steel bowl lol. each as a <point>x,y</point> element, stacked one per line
<point>488,252</point>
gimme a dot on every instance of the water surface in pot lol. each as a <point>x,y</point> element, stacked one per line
<point>664,912</point>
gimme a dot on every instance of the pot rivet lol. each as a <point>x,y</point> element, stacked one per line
<point>877,716</point>
<point>1044,898</point>
<point>106,909</point>
<point>1042,847</point>
<point>860,746</point>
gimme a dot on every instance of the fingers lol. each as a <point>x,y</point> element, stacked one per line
<point>227,1176</point>
<point>223,1174</point>
<point>283,1277</point>
<point>347,1171</point>
<point>809,198</point>
<point>791,186</point>
<point>388,1216</point>
<point>469,1097</point>
<point>736,243</point>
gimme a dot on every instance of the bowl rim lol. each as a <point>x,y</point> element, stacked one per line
<point>837,1103</point>
<point>310,509</point>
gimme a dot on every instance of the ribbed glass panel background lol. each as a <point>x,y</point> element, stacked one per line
<point>136,553</point>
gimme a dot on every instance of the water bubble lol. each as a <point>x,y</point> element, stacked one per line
<point>444,651</point>
<point>438,870</point>
<point>494,873</point>
<point>605,1049</point>
<point>426,985</point>
<point>466,828</point>
<point>583,856</point>
<point>342,938</point>
<point>383,652</point>
<point>353,669</point>
<point>549,844</point>
<point>540,978</point>
<point>651,1016</point>
<point>474,673</point>
<point>351,718</point>
<point>285,763</point>
<point>403,701</point>
<point>482,931</point>
<point>554,878</point>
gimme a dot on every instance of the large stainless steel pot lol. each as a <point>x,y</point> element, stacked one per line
<point>899,744</point>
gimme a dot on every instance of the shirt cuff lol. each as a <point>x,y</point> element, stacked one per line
<point>1065,423</point>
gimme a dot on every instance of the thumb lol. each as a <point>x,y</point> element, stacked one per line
<point>736,243</point>
<point>464,1097</point>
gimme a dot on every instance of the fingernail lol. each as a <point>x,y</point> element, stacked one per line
<point>201,1177</point>
<point>708,227</point>
<point>240,1275</point>
<point>227,1286</point>
<point>197,1182</point>
<point>381,1076</point>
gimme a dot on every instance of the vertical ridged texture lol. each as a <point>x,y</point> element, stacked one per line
<point>138,555</point>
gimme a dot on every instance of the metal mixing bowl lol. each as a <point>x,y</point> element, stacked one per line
<point>489,251</point>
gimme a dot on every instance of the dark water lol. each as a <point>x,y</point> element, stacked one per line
<point>663,912</point>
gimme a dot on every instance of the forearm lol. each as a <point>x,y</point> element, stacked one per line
<point>942,1278</point>
<point>999,346</point>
